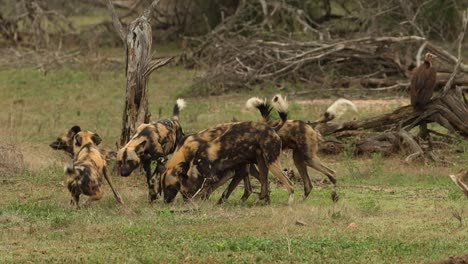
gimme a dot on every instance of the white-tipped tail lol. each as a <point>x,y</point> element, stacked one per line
<point>280,103</point>
<point>253,103</point>
<point>181,103</point>
<point>68,167</point>
<point>340,107</point>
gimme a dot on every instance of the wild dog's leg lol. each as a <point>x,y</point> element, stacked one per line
<point>302,168</point>
<point>276,170</point>
<point>253,171</point>
<point>150,180</point>
<point>97,196</point>
<point>75,201</point>
<point>317,164</point>
<point>263,178</point>
<point>116,193</point>
<point>240,174</point>
<point>247,187</point>
<point>158,171</point>
<point>223,179</point>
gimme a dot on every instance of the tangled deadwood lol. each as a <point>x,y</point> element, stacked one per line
<point>251,47</point>
<point>389,133</point>
<point>35,26</point>
<point>368,62</point>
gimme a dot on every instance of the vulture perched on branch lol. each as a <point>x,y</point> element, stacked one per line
<point>423,82</point>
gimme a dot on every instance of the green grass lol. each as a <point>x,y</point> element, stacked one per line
<point>389,211</point>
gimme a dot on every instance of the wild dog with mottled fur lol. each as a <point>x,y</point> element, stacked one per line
<point>205,155</point>
<point>151,142</point>
<point>65,143</point>
<point>298,136</point>
<point>240,172</point>
<point>84,175</point>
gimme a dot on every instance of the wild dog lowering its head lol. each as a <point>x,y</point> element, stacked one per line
<point>84,175</point>
<point>65,143</point>
<point>239,172</point>
<point>211,152</point>
<point>301,138</point>
<point>151,142</point>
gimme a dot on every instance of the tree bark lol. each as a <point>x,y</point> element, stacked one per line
<point>137,39</point>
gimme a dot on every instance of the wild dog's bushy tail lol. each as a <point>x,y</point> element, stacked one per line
<point>262,105</point>
<point>340,106</point>
<point>336,110</point>
<point>179,105</point>
<point>280,105</point>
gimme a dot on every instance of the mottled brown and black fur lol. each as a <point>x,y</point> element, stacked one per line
<point>240,173</point>
<point>302,139</point>
<point>65,143</point>
<point>151,142</point>
<point>206,155</point>
<point>84,175</point>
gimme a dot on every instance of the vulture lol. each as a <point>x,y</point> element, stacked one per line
<point>423,82</point>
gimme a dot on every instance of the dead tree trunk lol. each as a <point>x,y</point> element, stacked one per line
<point>137,39</point>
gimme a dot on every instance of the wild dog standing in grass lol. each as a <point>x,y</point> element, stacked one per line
<point>298,136</point>
<point>84,175</point>
<point>151,142</point>
<point>203,156</point>
<point>65,143</point>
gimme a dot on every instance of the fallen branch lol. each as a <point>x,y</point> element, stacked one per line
<point>461,37</point>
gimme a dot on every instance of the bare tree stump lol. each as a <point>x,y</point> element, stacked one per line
<point>137,39</point>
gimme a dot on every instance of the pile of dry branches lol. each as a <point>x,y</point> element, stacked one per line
<point>242,52</point>
<point>382,62</point>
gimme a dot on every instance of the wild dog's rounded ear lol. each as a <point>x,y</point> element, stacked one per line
<point>96,139</point>
<point>76,129</point>
<point>73,131</point>
<point>78,140</point>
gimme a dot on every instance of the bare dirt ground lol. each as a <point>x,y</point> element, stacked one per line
<point>453,260</point>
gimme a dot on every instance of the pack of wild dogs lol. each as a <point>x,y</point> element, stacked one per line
<point>203,161</point>
<point>206,160</point>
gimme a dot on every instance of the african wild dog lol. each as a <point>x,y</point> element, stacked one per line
<point>204,156</point>
<point>84,175</point>
<point>301,138</point>
<point>240,172</point>
<point>65,143</point>
<point>151,142</point>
